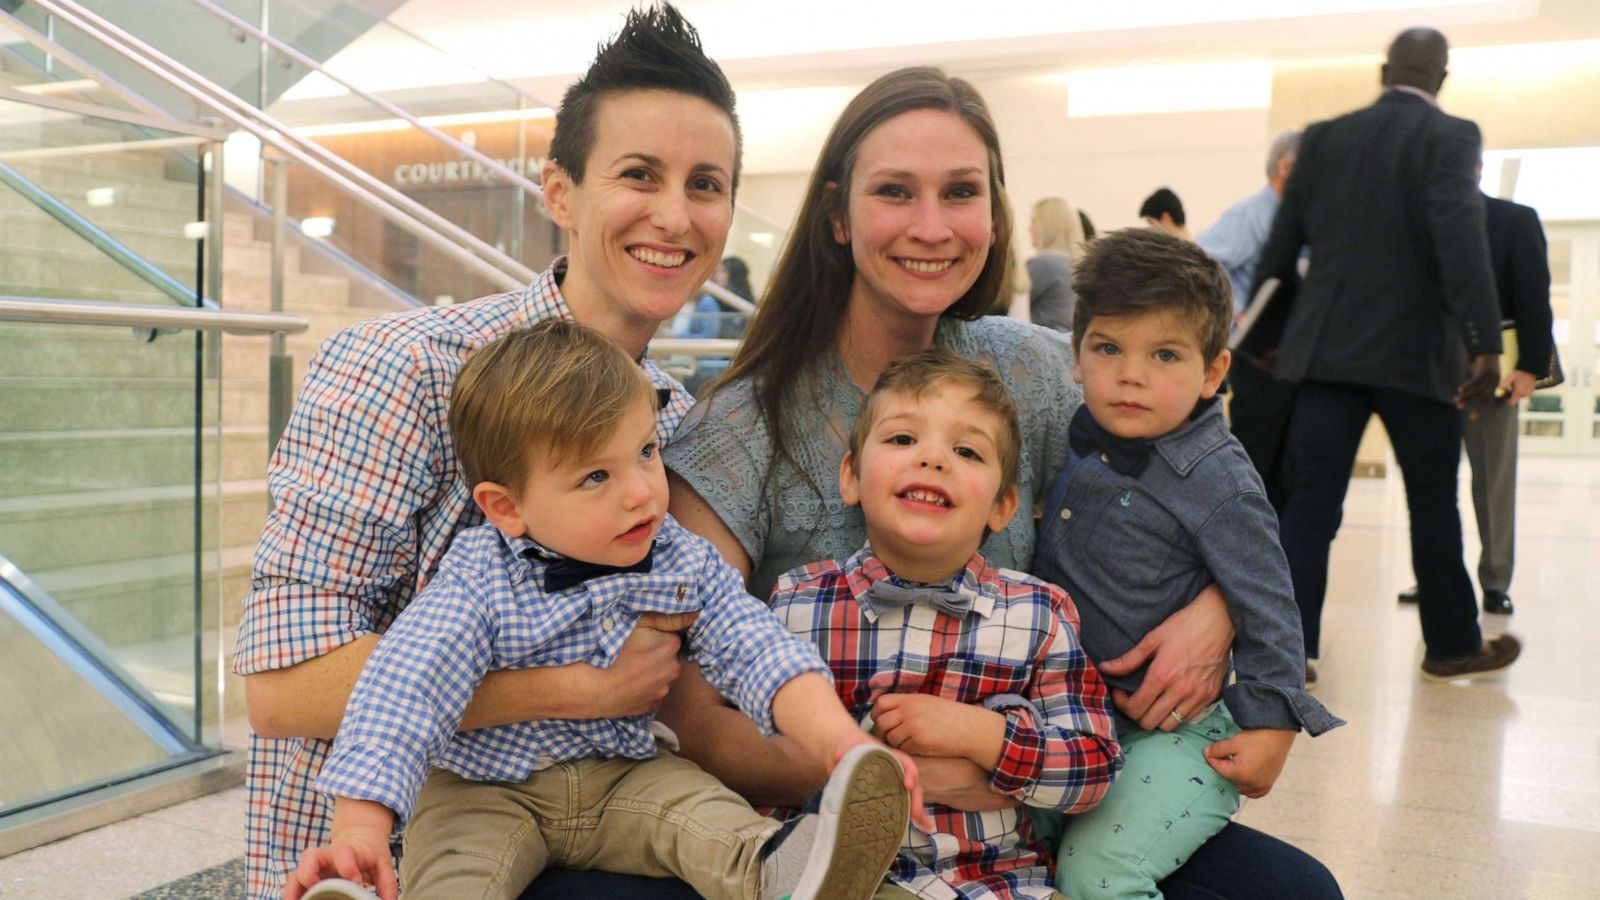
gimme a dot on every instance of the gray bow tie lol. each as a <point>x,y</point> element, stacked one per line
<point>886,595</point>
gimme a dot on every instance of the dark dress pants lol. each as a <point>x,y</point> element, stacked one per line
<point>1258,415</point>
<point>1239,863</point>
<point>1324,433</point>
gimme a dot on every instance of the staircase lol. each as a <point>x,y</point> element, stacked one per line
<point>97,426</point>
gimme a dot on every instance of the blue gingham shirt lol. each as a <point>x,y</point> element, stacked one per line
<point>487,609</point>
<point>367,495</point>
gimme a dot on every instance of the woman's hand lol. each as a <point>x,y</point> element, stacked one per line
<point>1188,658</point>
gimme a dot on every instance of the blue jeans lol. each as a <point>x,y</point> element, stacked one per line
<point>1238,863</point>
<point>1324,432</point>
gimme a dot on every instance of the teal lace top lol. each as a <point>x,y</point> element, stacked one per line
<point>724,451</point>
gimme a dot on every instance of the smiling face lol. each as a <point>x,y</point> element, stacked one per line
<point>919,221</point>
<point>648,223</point>
<point>928,480</point>
<point>1143,373</point>
<point>603,507</point>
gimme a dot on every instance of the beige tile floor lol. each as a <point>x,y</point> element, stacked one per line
<point>1482,790</point>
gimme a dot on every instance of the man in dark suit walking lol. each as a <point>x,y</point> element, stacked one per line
<point>1396,316</point>
<point>1520,261</point>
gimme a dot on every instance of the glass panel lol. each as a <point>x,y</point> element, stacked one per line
<point>1560,261</point>
<point>1552,429</point>
<point>99,506</point>
<point>126,182</point>
<point>58,730</point>
<point>1546,403</point>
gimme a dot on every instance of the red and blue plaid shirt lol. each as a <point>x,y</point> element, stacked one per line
<point>367,496</point>
<point>1021,640</point>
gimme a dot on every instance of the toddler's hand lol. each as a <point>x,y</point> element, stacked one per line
<point>359,856</point>
<point>1252,759</point>
<point>933,726</point>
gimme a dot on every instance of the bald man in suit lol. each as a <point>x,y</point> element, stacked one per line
<point>1396,316</point>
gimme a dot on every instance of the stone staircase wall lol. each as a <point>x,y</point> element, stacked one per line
<point>97,428</point>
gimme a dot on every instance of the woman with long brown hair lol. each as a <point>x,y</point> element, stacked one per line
<point>901,243</point>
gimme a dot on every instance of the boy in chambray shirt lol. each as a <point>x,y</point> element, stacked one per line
<point>555,428</point>
<point>1157,500</point>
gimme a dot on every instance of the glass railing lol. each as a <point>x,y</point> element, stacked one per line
<point>91,207</point>
<point>121,519</point>
<point>332,193</point>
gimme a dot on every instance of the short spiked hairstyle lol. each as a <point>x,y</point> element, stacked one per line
<point>657,49</point>
<point>555,389</point>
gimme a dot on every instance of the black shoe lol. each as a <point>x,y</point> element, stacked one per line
<point>1497,603</point>
<point>1409,595</point>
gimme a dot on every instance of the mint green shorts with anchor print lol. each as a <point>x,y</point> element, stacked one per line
<point>1166,803</point>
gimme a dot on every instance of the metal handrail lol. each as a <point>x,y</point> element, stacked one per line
<point>402,210</point>
<point>664,347</point>
<point>97,237</point>
<point>132,315</point>
<point>90,110</point>
<point>499,168</point>
<point>78,64</point>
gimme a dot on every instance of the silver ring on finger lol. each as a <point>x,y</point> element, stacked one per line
<point>1178,716</point>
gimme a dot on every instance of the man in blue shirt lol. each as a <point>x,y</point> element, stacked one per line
<point>1259,410</point>
<point>1236,238</point>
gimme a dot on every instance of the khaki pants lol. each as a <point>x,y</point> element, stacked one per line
<point>660,817</point>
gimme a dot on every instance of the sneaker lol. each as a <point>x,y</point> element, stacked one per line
<point>842,850</point>
<point>338,889</point>
<point>1495,655</point>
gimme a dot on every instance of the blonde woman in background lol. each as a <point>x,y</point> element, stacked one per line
<point>1057,233</point>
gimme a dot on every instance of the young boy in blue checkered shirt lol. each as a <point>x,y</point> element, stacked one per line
<point>555,428</point>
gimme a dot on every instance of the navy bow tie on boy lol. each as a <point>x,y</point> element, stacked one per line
<point>561,573</point>
<point>1126,456</point>
<point>885,595</point>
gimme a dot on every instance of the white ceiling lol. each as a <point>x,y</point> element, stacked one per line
<point>542,44</point>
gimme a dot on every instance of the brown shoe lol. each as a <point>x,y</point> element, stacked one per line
<point>1495,655</point>
<point>1311,675</point>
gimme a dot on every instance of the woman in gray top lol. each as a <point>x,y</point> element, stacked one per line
<point>900,244</point>
<point>1057,232</point>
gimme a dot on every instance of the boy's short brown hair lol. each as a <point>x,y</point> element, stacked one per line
<point>555,388</point>
<point>919,373</point>
<point>1140,270</point>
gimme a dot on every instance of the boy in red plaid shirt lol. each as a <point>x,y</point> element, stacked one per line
<point>943,654</point>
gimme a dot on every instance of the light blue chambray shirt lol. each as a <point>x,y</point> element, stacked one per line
<point>1236,239</point>
<point>487,609</point>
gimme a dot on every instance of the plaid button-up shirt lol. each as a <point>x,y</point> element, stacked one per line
<point>487,609</point>
<point>367,495</point>
<point>1020,639</point>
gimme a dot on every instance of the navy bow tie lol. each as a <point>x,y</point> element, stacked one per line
<point>1126,456</point>
<point>885,595</point>
<point>561,573</point>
